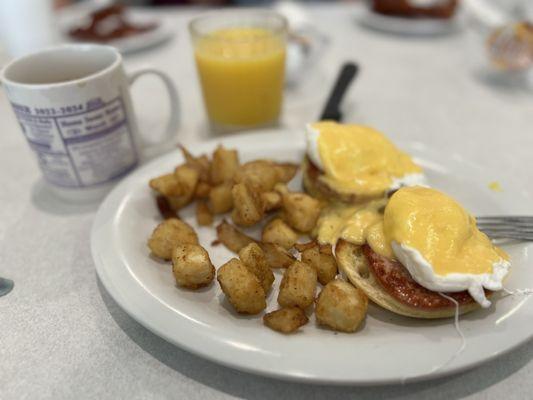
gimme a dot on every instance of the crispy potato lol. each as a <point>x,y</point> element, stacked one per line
<point>301,211</point>
<point>325,264</point>
<point>221,199</point>
<point>201,164</point>
<point>298,286</point>
<point>254,259</point>
<point>259,174</point>
<point>241,287</point>
<point>278,232</point>
<point>202,190</point>
<point>276,256</point>
<point>247,205</point>
<point>286,320</point>
<point>167,185</point>
<point>165,210</point>
<point>191,266</point>
<point>224,165</point>
<point>168,234</point>
<point>232,238</point>
<point>285,171</point>
<point>188,178</point>
<point>301,247</point>
<point>271,200</point>
<point>341,306</point>
<point>204,216</point>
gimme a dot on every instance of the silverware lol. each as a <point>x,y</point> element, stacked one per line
<point>332,109</point>
<point>508,227</point>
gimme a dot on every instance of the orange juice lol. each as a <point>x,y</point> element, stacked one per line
<point>242,73</point>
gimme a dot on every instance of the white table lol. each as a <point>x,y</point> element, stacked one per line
<point>63,337</point>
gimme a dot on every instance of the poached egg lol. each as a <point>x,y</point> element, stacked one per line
<point>356,159</point>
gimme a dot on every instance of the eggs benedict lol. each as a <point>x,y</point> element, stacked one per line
<point>424,245</point>
<point>354,163</point>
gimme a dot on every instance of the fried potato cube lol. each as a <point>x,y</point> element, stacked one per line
<point>191,266</point>
<point>247,205</point>
<point>285,171</point>
<point>298,286</point>
<point>221,199</point>
<point>241,287</point>
<point>277,256</point>
<point>286,320</point>
<point>278,232</point>
<point>301,211</point>
<point>301,247</point>
<point>188,179</point>
<point>259,174</point>
<point>167,185</point>
<point>202,190</point>
<point>341,306</point>
<point>325,264</point>
<point>232,238</point>
<point>224,165</point>
<point>204,217</point>
<point>168,234</point>
<point>254,259</point>
<point>200,164</point>
<point>165,210</point>
<point>271,200</point>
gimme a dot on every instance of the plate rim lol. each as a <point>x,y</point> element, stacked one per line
<point>149,322</point>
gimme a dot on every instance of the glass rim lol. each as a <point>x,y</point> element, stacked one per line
<point>281,29</point>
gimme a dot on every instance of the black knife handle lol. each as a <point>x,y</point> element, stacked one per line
<point>332,109</point>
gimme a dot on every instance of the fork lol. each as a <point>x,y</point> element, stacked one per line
<point>508,227</point>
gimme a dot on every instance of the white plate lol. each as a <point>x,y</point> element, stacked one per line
<point>160,34</point>
<point>388,349</point>
<point>408,26</point>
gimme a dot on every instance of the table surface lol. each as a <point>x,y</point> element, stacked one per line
<point>63,336</point>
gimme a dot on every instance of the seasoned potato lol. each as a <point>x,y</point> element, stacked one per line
<point>286,320</point>
<point>301,211</point>
<point>341,306</point>
<point>259,174</point>
<point>200,164</point>
<point>221,199</point>
<point>164,208</point>
<point>298,286</point>
<point>202,190</point>
<point>241,287</point>
<point>276,256</point>
<point>232,238</point>
<point>301,247</point>
<point>271,200</point>
<point>167,185</point>
<point>204,216</point>
<point>191,266</point>
<point>285,171</point>
<point>278,232</point>
<point>224,165</point>
<point>254,259</point>
<point>247,205</point>
<point>188,178</point>
<point>325,264</point>
<point>168,234</point>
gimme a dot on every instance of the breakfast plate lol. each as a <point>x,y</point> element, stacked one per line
<point>409,26</point>
<point>387,349</point>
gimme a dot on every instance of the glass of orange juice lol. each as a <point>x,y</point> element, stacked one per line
<point>240,57</point>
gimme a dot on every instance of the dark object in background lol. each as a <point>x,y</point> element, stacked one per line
<point>108,24</point>
<point>443,9</point>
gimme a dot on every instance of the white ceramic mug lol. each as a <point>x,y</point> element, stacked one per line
<point>73,104</point>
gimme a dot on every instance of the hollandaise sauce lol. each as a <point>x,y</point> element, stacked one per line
<point>360,160</point>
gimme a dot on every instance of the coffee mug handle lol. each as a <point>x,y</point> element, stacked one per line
<point>173,122</point>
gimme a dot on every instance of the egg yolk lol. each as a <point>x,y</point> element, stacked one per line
<point>359,159</point>
<point>441,230</point>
